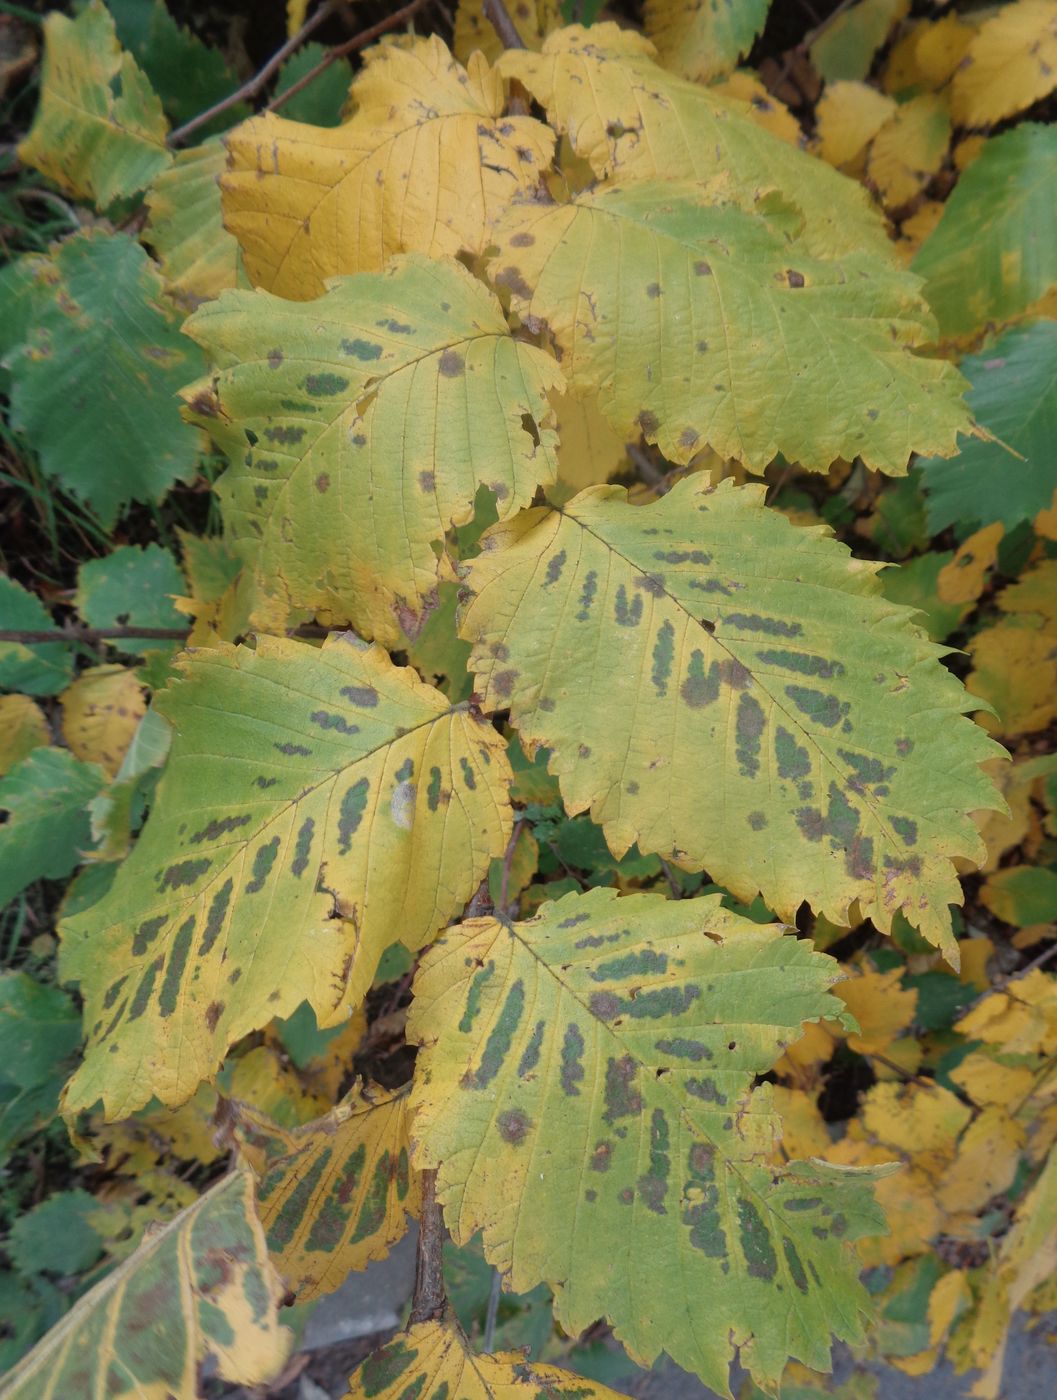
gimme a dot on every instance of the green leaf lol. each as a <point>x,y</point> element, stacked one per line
<point>387,401</point>
<point>133,586</point>
<point>847,46</point>
<point>914,585</point>
<point>318,805</point>
<point>984,262</point>
<point>197,254</point>
<point>199,1287</point>
<point>46,832</point>
<point>31,667</point>
<point>94,385</point>
<point>187,75</point>
<point>57,1236</point>
<point>39,1029</point>
<point>734,693</point>
<point>702,39</point>
<point>703,324</point>
<point>322,101</point>
<point>1013,395</point>
<point>585,1092</point>
<point>99,133</point>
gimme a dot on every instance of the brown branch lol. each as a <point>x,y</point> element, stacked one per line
<point>495,12</point>
<point>253,85</point>
<point>88,635</point>
<point>95,634</point>
<point>508,862</point>
<point>428,1300</point>
<point>358,41</point>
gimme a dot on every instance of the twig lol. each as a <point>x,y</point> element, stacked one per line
<point>651,474</point>
<point>252,86</point>
<point>95,634</point>
<point>428,1299</point>
<point>673,883</point>
<point>492,1314</point>
<point>87,635</point>
<point>1001,983</point>
<point>495,12</point>
<point>358,41</point>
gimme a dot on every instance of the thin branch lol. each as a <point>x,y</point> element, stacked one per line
<point>358,41</point>
<point>495,12</point>
<point>88,635</point>
<point>95,634</point>
<point>428,1299</point>
<point>253,86</point>
<point>508,861</point>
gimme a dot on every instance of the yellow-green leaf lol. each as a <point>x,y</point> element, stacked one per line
<point>909,149</point>
<point>200,1287</point>
<point>703,38</point>
<point>197,254</point>
<point>1010,64</point>
<point>633,120</point>
<point>433,1360</point>
<point>701,323</point>
<point>426,163</point>
<point>340,1196</point>
<point>100,130</point>
<point>735,693</point>
<point>23,728</point>
<point>584,1089</point>
<point>318,805</point>
<point>386,403</point>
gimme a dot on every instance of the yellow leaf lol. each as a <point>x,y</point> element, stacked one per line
<point>100,713</point>
<point>882,1008</point>
<point>762,106</point>
<point>913,1118</point>
<point>425,164</point>
<point>197,254</point>
<point>949,1299</point>
<point>916,228</point>
<point>966,151</point>
<point>927,54</point>
<point>986,1162</point>
<point>434,399</point>
<point>99,132</point>
<point>918,1365</point>
<point>296,12</point>
<point>1021,1020</point>
<point>976,954</point>
<point>1028,1257</point>
<point>848,116</point>
<point>434,1360</point>
<point>988,1082</point>
<point>965,577</point>
<point>199,1287</point>
<point>23,728</point>
<point>635,271</point>
<point>347,803</point>
<point>158,1137</point>
<point>533,19</point>
<point>263,1079</point>
<point>1015,661</point>
<point>1010,64</point>
<point>909,149</point>
<point>804,1131</point>
<point>341,1194</point>
<point>633,120</point>
<point>810,1050</point>
<point>590,452</point>
<point>1004,831</point>
<point>716,646</point>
